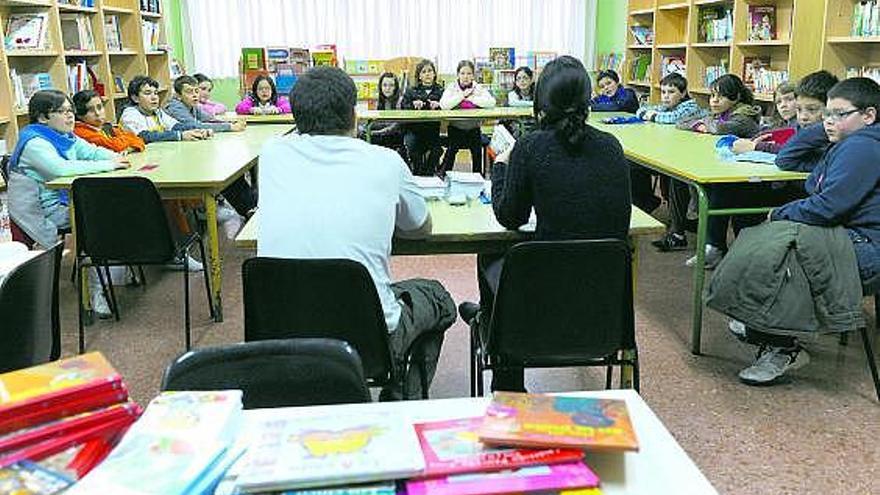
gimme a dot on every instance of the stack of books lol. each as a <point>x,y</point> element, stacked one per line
<point>468,185</point>
<point>183,444</point>
<point>24,85</point>
<point>525,443</point>
<point>430,187</point>
<point>76,32</point>
<point>150,35</point>
<point>52,408</point>
<point>871,72</point>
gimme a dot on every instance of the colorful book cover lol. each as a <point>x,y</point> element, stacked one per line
<point>751,66</point>
<point>540,420</point>
<point>175,444</point>
<point>337,450</point>
<point>26,30</point>
<point>26,478</point>
<point>326,58</point>
<point>762,22</point>
<point>48,385</point>
<point>253,59</point>
<point>672,64</point>
<point>642,35</point>
<point>276,55</point>
<point>502,57</point>
<point>384,488</point>
<point>452,447</point>
<point>520,480</point>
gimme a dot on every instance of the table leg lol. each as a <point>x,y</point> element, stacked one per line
<point>699,268</point>
<point>626,371</point>
<point>214,248</point>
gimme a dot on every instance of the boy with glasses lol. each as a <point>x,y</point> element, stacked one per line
<point>805,149</point>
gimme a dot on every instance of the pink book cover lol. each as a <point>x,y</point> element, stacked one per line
<point>453,447</point>
<point>520,480</point>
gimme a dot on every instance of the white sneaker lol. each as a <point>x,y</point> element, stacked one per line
<point>193,265</point>
<point>99,305</point>
<point>737,329</point>
<point>772,364</point>
<point>225,213</point>
<point>232,226</point>
<point>713,257</point>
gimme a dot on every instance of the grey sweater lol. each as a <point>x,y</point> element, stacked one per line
<point>195,116</point>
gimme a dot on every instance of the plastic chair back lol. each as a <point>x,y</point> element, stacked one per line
<point>563,303</point>
<point>317,298</point>
<point>274,373</point>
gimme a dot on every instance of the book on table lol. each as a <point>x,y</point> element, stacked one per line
<point>556,477</point>
<point>337,450</point>
<point>452,447</point>
<point>540,420</point>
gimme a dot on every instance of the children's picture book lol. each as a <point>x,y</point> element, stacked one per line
<point>112,33</point>
<point>76,32</point>
<point>26,478</point>
<point>540,420</point>
<point>276,55</point>
<point>253,59</point>
<point>26,31</point>
<point>325,55</point>
<point>640,68</point>
<point>529,479</point>
<point>642,35</point>
<point>285,78</point>
<point>715,24</point>
<point>172,448</point>
<point>74,380</point>
<point>336,450</point>
<point>384,488</point>
<point>452,447</point>
<point>541,59</point>
<point>502,139</point>
<point>502,58</point>
<point>672,64</point>
<point>762,22</point>
<point>751,65</point>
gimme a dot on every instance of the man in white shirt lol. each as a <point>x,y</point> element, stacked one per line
<point>326,194</point>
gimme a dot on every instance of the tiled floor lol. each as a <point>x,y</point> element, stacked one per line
<point>816,433</point>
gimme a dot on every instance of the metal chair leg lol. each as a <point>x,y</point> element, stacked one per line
<point>114,307</point>
<point>473,371</point>
<point>186,323</point>
<point>207,277</point>
<point>872,364</point>
<point>635,367</point>
<point>79,299</point>
<point>608,374</point>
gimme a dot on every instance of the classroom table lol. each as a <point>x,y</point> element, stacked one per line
<point>369,117</point>
<point>281,118</point>
<point>196,170</point>
<point>690,157</point>
<point>660,465</point>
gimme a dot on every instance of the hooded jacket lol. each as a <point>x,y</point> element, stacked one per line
<point>741,121</point>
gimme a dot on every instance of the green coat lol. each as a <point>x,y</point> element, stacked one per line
<point>788,277</point>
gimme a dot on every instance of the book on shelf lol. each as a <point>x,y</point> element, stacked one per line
<point>672,64</point>
<point>541,59</point>
<point>541,420</point>
<point>150,6</point>
<point>484,71</point>
<point>529,479</point>
<point>26,31</point>
<point>76,32</point>
<point>325,55</point>
<point>871,72</point>
<point>502,57</point>
<point>301,59</point>
<point>174,448</point>
<point>253,59</point>
<point>642,35</point>
<point>866,18</point>
<point>285,78</point>
<point>80,3</point>
<point>112,33</point>
<point>750,66</point>
<point>715,24</point>
<point>452,447</point>
<point>713,72</point>
<point>150,35</point>
<point>610,61</point>
<point>639,69</point>
<point>762,22</point>
<point>276,55</point>
<point>119,84</point>
<point>295,453</point>
<point>82,76</point>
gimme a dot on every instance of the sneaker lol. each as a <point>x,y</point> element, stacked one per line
<point>713,257</point>
<point>225,213</point>
<point>772,363</point>
<point>100,306</point>
<point>737,329</point>
<point>671,241</point>
<point>193,264</point>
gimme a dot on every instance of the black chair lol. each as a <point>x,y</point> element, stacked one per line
<point>31,328</point>
<point>869,287</point>
<point>323,298</point>
<point>559,304</point>
<point>274,373</point>
<point>121,221</point>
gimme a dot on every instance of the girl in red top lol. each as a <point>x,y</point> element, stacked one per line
<point>92,126</point>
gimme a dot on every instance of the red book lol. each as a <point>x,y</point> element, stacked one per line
<point>57,389</point>
<point>67,425</point>
<point>781,136</point>
<point>452,447</point>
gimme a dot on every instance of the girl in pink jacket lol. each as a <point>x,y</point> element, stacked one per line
<point>263,99</point>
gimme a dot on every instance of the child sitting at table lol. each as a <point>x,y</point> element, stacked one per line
<point>612,96</point>
<point>206,104</point>
<point>145,119</point>
<point>465,94</point>
<point>184,107</point>
<point>424,137</point>
<point>784,117</point>
<point>48,149</point>
<point>263,99</point>
<point>801,152</point>
<point>387,134</point>
<point>523,88</point>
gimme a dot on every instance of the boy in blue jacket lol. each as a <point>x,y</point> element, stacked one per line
<point>844,190</point>
<point>612,96</point>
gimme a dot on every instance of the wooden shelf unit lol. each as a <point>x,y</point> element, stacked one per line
<point>133,60</point>
<point>795,49</point>
<point>842,49</point>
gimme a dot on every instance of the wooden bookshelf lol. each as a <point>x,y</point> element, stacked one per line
<point>796,48</point>
<point>133,60</point>
<point>844,49</point>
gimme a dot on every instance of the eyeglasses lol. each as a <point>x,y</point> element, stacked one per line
<point>63,110</point>
<point>837,116</point>
<point>96,108</point>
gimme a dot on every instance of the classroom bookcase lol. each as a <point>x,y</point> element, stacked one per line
<point>842,51</point>
<point>132,60</point>
<point>797,48</point>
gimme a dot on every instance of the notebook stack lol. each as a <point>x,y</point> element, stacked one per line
<point>525,443</point>
<point>76,404</point>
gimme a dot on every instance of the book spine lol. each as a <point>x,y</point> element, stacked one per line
<point>67,426</point>
<point>9,412</point>
<point>59,410</point>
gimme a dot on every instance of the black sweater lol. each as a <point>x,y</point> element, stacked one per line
<point>582,195</point>
<point>425,94</point>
